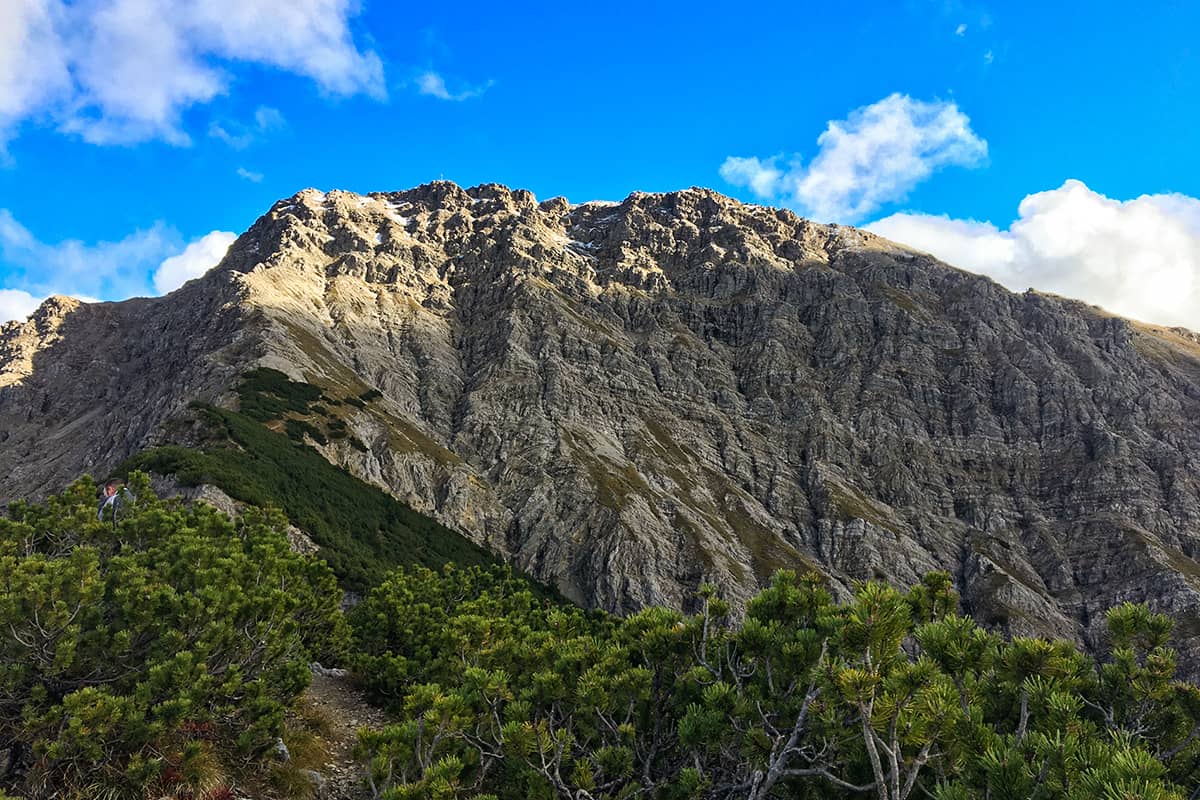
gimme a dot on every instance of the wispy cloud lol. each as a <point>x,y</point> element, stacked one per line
<point>239,135</point>
<point>268,119</point>
<point>874,156</point>
<point>100,269</point>
<point>989,57</point>
<point>961,30</point>
<point>147,261</point>
<point>1139,258</point>
<point>434,85</point>
<point>124,71</point>
<point>253,177</point>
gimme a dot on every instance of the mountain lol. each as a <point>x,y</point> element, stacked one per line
<point>628,399</point>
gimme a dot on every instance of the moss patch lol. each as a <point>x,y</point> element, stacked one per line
<point>1168,347</point>
<point>768,552</point>
<point>614,485</point>
<point>901,299</point>
<point>341,377</point>
<point>291,407</point>
<point>851,504</point>
<point>405,437</point>
<point>665,446</point>
<point>1178,562</point>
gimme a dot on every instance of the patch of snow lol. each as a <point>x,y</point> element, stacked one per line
<point>393,212</point>
<point>379,238</point>
<point>286,207</point>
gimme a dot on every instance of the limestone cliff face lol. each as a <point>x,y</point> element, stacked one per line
<point>628,399</point>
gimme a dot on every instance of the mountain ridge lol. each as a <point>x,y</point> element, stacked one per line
<point>626,400</point>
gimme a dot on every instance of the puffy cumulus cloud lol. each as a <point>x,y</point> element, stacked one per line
<point>197,258</point>
<point>874,156</point>
<point>147,261</point>
<point>434,85</point>
<point>976,246</point>
<point>16,304</point>
<point>1138,258</point>
<point>122,71</point>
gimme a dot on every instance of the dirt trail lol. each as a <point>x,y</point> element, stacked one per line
<point>343,706</point>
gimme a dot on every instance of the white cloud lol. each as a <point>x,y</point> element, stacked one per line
<point>432,84</point>
<point>761,177</point>
<point>146,261</point>
<point>1139,258</point>
<point>122,71</point>
<point>30,45</point>
<point>16,304</point>
<point>875,156</point>
<point>253,177</point>
<point>988,57</point>
<point>102,269</point>
<point>268,119</point>
<point>197,258</point>
<point>961,30</point>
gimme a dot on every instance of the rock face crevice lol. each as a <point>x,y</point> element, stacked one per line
<point>629,399</point>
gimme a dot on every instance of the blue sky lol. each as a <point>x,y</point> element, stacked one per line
<point>1048,147</point>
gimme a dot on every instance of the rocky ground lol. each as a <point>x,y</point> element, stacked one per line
<point>334,697</point>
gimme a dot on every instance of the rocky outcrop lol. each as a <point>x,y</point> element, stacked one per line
<point>168,486</point>
<point>629,399</point>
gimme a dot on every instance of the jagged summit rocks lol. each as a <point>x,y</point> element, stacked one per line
<point>628,399</point>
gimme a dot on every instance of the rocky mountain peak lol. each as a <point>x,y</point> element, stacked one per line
<point>629,398</point>
<point>648,242</point>
<point>20,340</point>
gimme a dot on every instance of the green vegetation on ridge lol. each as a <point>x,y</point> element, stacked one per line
<point>161,654</point>
<point>267,394</point>
<point>891,696</point>
<point>362,531</point>
<point>154,656</point>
